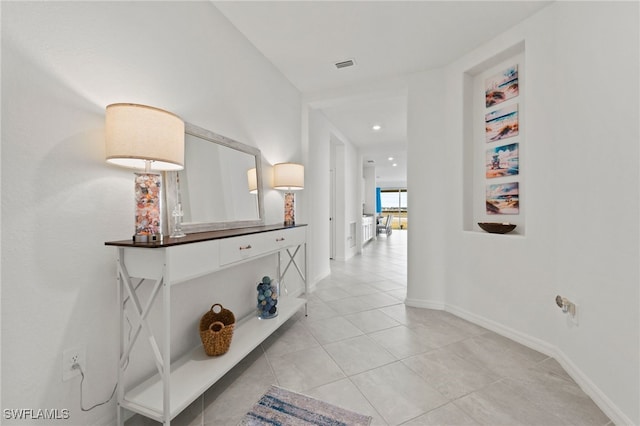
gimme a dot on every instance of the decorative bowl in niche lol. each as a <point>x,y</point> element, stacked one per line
<point>497,227</point>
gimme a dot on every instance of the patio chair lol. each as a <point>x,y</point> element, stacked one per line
<point>384,226</point>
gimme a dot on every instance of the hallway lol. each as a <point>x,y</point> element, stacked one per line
<point>362,349</point>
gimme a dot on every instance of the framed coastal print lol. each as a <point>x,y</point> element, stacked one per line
<point>502,86</point>
<point>502,161</point>
<point>503,198</point>
<point>501,123</point>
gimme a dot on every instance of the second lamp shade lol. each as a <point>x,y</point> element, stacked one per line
<point>288,176</point>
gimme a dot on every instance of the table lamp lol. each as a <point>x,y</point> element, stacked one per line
<point>144,137</point>
<point>288,177</point>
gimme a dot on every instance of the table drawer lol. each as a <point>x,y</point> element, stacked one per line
<point>245,247</point>
<point>288,237</point>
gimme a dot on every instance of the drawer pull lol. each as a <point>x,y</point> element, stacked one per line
<point>247,247</point>
<point>280,239</point>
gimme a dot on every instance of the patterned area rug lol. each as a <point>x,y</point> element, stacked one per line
<point>280,407</point>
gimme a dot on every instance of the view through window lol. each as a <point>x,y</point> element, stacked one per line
<point>394,201</point>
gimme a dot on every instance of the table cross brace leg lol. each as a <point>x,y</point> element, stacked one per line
<point>292,261</point>
<point>141,314</point>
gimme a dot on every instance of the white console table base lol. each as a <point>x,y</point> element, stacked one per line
<point>179,383</point>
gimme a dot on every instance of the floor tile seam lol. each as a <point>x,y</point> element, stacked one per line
<point>317,344</point>
<point>461,408</point>
<point>473,359</point>
<point>425,381</point>
<point>364,309</point>
<point>271,369</point>
<point>467,413</point>
<point>483,387</point>
<point>436,389</point>
<point>522,391</point>
<point>427,412</point>
<point>512,345</point>
<point>367,370</point>
<point>367,399</point>
<point>365,294</point>
<point>519,387</point>
<point>484,370</point>
<point>342,339</point>
<point>344,376</point>
<point>432,346</point>
<point>334,300</point>
<point>435,327</point>
<point>565,378</point>
<point>366,332</point>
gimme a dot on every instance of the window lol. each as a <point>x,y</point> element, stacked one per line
<point>394,201</point>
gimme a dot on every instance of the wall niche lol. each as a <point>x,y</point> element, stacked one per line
<point>494,141</point>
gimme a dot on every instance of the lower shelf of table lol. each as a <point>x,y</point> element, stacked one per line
<point>194,373</point>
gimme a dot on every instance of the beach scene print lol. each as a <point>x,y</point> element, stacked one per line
<point>503,198</point>
<point>501,123</point>
<point>502,161</point>
<point>502,86</point>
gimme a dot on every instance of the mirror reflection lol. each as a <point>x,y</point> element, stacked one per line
<point>214,183</point>
<point>214,187</point>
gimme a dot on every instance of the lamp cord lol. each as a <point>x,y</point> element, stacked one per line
<point>76,365</point>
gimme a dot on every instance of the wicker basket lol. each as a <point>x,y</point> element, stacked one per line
<point>216,330</point>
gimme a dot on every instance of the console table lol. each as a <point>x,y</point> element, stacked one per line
<point>173,261</point>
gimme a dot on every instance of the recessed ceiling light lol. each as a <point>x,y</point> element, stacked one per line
<point>390,158</point>
<point>395,165</point>
<point>376,127</point>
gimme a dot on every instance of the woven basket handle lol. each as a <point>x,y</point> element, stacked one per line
<point>216,327</point>
<point>213,310</point>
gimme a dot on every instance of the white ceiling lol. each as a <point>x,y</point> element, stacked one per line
<point>387,39</point>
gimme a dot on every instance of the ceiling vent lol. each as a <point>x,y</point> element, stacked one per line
<point>371,161</point>
<point>345,64</point>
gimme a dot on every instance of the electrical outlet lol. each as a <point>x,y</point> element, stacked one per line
<point>71,357</point>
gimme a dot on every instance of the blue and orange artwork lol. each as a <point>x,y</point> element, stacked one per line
<point>502,161</point>
<point>502,86</point>
<point>501,123</point>
<point>503,198</point>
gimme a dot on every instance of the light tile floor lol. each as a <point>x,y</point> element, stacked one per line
<point>362,349</point>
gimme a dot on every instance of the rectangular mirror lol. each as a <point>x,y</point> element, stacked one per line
<point>214,187</point>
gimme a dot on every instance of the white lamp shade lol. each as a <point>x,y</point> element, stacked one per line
<point>252,179</point>
<point>136,134</point>
<point>288,176</point>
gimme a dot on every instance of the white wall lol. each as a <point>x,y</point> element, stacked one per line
<point>581,161</point>
<point>62,63</point>
<point>348,174</point>
<point>426,190</point>
<point>318,208</point>
<point>369,196</point>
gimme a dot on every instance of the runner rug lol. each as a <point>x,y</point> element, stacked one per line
<point>280,407</point>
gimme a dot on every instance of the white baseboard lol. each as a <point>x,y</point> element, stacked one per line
<point>313,283</point>
<point>599,398</point>
<point>421,303</point>
<point>515,335</point>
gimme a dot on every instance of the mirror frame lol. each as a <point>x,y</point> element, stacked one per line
<point>171,189</point>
